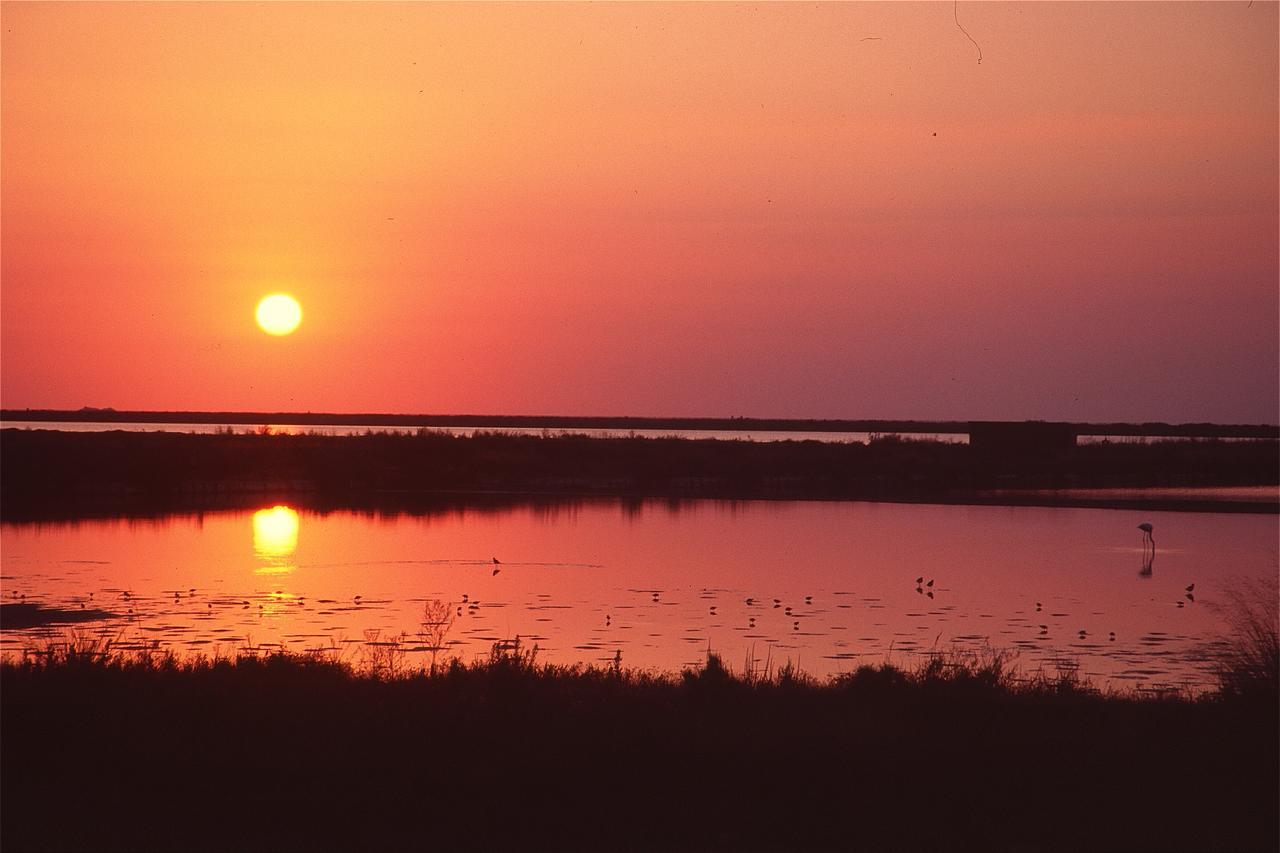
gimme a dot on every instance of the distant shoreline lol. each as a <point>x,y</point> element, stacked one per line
<point>559,422</point>
<point>52,474</point>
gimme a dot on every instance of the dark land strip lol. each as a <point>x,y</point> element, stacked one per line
<point>49,474</point>
<point>623,423</point>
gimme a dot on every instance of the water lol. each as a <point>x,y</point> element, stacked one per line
<point>361,429</point>
<point>830,585</point>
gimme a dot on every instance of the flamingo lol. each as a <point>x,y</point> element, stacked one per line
<point>1146,529</point>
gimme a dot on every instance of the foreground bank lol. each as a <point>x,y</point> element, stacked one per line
<point>301,752</point>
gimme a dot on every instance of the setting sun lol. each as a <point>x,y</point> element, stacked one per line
<point>279,314</point>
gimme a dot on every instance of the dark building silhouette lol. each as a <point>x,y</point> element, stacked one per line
<point>1030,437</point>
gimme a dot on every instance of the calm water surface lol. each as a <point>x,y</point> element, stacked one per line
<point>831,585</point>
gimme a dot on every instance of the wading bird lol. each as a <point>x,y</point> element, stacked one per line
<point>1146,529</point>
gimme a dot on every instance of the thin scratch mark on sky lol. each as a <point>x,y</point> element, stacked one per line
<point>955,11</point>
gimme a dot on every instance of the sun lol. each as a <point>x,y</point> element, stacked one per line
<point>279,314</point>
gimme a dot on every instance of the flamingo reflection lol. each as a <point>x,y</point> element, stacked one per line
<point>1148,560</point>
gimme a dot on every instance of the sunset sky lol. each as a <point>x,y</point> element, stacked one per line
<point>789,210</point>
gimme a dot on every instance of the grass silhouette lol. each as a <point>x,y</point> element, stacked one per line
<point>1250,667</point>
<point>110,748</point>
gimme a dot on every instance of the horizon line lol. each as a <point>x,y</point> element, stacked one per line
<point>89,414</point>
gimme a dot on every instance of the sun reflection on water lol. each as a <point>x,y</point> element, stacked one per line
<point>275,539</point>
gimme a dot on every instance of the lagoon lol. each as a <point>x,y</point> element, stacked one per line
<point>827,585</point>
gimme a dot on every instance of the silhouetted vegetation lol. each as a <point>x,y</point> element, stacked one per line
<point>1251,666</point>
<point>622,423</point>
<point>109,749</point>
<point>71,473</point>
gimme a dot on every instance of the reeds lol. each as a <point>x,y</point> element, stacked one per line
<point>263,748</point>
<point>1249,668</point>
<point>953,672</point>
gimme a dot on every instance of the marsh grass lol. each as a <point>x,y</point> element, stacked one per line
<point>1249,668</point>
<point>951,672</point>
<point>262,748</point>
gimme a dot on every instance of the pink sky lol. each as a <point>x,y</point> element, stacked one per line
<point>770,210</point>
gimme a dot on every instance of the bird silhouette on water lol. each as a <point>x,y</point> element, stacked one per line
<point>1147,529</point>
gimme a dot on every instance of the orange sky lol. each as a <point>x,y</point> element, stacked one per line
<point>776,210</point>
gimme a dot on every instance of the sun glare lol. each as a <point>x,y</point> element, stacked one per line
<point>279,314</point>
<point>275,539</point>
